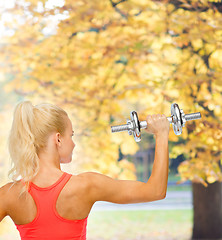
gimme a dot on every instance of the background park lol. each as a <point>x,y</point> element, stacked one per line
<point>99,60</point>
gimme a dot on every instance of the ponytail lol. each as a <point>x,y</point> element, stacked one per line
<point>30,129</point>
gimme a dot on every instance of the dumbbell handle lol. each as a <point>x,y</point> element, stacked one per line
<point>143,124</point>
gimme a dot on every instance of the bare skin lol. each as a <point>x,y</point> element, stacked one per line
<point>82,191</point>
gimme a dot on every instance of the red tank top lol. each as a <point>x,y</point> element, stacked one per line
<point>48,225</point>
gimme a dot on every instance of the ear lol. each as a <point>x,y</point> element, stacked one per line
<point>58,139</point>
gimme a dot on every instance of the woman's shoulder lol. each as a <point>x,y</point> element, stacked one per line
<point>87,177</point>
<point>9,186</point>
<point>8,191</point>
<point>84,181</point>
<point>3,190</point>
<point>3,201</point>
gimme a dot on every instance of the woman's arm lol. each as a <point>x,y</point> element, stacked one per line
<point>104,188</point>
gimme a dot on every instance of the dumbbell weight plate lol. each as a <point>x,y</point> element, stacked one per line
<point>177,119</point>
<point>136,126</point>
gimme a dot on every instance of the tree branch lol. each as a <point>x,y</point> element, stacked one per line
<point>114,5</point>
<point>194,6</point>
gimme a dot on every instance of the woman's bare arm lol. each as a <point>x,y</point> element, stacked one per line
<point>104,188</point>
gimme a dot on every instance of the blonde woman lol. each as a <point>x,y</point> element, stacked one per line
<point>48,203</point>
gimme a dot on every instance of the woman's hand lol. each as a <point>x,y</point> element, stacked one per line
<point>157,124</point>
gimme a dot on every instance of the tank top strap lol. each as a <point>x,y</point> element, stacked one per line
<point>61,183</point>
<point>51,193</point>
<point>26,184</point>
<point>45,198</point>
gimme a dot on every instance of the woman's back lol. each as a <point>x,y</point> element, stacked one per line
<point>69,193</point>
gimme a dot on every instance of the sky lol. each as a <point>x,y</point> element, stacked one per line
<point>5,5</point>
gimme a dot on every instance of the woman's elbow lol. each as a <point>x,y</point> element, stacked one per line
<point>155,197</point>
<point>162,195</point>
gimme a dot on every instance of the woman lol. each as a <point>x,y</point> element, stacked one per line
<point>48,203</point>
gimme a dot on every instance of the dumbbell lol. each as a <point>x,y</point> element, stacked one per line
<point>177,118</point>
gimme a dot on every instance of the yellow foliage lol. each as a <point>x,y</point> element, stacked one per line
<point>216,59</point>
<point>126,174</point>
<point>176,151</point>
<point>125,164</point>
<point>129,146</point>
<point>173,137</point>
<point>102,62</point>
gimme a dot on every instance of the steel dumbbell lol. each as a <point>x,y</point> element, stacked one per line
<point>177,118</point>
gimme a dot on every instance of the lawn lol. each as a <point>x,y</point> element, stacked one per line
<point>140,225</point>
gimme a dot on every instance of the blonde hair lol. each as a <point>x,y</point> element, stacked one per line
<point>29,133</point>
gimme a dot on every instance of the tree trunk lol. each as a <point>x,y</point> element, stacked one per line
<point>207,204</point>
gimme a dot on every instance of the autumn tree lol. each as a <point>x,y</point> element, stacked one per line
<point>102,59</point>
<point>198,34</point>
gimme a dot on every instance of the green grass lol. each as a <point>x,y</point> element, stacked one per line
<point>179,188</point>
<point>141,225</point>
<point>173,177</point>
